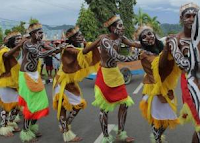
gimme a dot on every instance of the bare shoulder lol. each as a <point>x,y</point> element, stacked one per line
<point>103,36</point>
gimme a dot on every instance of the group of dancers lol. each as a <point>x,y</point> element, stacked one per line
<point>21,87</point>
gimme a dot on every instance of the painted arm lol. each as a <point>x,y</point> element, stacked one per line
<point>92,46</point>
<point>13,50</point>
<point>130,43</point>
<point>178,56</point>
<point>105,43</point>
<point>46,53</point>
<point>34,49</point>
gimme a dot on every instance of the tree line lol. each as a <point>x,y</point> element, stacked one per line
<point>91,19</point>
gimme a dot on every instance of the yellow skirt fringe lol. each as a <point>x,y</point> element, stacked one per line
<point>158,123</point>
<point>8,106</point>
<point>66,104</point>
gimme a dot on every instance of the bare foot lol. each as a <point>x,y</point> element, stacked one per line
<point>10,134</point>
<point>61,130</point>
<point>17,129</point>
<point>32,141</point>
<point>76,139</point>
<point>127,140</point>
<point>38,135</point>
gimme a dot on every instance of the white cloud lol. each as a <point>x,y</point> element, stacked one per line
<point>158,9</point>
<point>24,9</point>
<point>167,5</point>
<point>178,3</point>
<point>56,12</point>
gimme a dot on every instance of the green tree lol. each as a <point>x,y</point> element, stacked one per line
<point>6,32</point>
<point>88,24</point>
<point>20,28</point>
<point>33,20</point>
<point>143,18</point>
<point>127,15</point>
<point>1,36</point>
<point>155,24</point>
<point>103,10</point>
<point>140,18</point>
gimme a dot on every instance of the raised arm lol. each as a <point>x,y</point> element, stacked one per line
<point>46,53</point>
<point>105,43</point>
<point>130,43</point>
<point>178,56</point>
<point>15,49</point>
<point>34,49</point>
<point>94,45</point>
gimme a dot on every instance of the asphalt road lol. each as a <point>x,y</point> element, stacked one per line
<point>86,124</point>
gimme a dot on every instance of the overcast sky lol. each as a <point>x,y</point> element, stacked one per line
<point>57,12</point>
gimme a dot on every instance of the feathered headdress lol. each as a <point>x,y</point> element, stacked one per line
<point>111,21</point>
<point>33,27</point>
<point>188,5</point>
<point>10,35</point>
<point>72,33</point>
<point>140,30</point>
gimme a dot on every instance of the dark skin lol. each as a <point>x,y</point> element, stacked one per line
<point>105,57</point>
<point>36,37</point>
<point>14,49</point>
<point>111,36</point>
<point>187,20</point>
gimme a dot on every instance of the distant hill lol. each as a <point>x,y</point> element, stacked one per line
<point>50,31</point>
<point>61,27</point>
<point>170,28</point>
<point>56,31</point>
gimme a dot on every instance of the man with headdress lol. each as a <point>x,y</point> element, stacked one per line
<point>67,93</point>
<point>32,92</point>
<point>9,70</point>
<point>158,104</point>
<point>110,90</point>
<point>185,48</point>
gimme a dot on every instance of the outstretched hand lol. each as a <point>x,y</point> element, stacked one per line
<point>137,44</point>
<point>167,45</point>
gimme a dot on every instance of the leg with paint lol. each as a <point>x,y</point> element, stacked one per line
<point>5,129</point>
<point>196,137</point>
<point>65,122</point>
<point>70,118</point>
<point>35,128</point>
<point>122,135</point>
<point>157,134</point>
<point>103,118</point>
<point>27,135</point>
<point>12,116</point>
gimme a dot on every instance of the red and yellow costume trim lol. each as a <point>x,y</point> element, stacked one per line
<point>188,111</point>
<point>110,92</point>
<point>160,88</point>
<point>9,80</point>
<point>86,64</point>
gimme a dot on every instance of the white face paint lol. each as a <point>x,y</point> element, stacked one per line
<point>18,40</point>
<point>39,35</point>
<point>148,37</point>
<point>119,30</point>
<point>79,37</point>
<point>188,17</point>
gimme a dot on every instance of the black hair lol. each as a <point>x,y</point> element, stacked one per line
<point>11,42</point>
<point>70,41</point>
<point>154,49</point>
